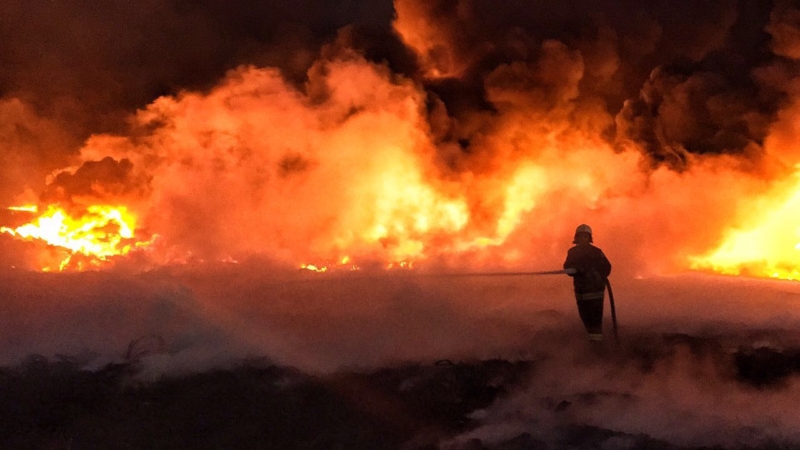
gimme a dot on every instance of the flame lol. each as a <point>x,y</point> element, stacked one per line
<point>344,263</point>
<point>769,249</point>
<point>25,208</point>
<point>314,268</point>
<point>257,166</point>
<point>405,209</point>
<point>430,43</point>
<point>101,232</point>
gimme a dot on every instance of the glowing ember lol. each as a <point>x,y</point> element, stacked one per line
<point>101,232</point>
<point>313,268</point>
<point>344,263</point>
<point>400,265</point>
<point>770,249</point>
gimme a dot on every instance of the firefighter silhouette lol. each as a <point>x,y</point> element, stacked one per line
<point>591,270</point>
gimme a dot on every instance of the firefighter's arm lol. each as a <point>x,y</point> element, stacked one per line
<point>606,267</point>
<point>570,268</point>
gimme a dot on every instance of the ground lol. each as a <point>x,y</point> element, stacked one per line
<point>453,405</point>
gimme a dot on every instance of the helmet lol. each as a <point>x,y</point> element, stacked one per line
<point>583,228</point>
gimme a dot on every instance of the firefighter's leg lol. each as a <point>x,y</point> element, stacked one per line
<point>591,312</point>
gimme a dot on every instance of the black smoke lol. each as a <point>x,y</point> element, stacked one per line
<point>87,66</point>
<point>91,63</point>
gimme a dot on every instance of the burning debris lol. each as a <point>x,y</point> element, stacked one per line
<point>88,240</point>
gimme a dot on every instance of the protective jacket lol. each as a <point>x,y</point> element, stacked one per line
<point>592,268</point>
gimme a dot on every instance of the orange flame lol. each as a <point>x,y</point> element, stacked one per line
<point>770,249</point>
<point>314,268</point>
<point>251,155</point>
<point>26,208</point>
<point>101,232</point>
<point>344,263</point>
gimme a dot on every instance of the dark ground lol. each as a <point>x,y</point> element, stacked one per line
<point>57,405</point>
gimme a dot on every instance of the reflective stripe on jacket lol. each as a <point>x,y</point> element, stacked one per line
<point>589,295</point>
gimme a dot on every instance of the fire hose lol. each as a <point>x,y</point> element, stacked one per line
<point>613,310</point>
<point>497,274</point>
<point>544,272</point>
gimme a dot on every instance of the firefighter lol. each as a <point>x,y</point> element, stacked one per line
<point>589,270</point>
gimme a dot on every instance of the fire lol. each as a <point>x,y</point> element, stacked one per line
<point>26,208</point>
<point>101,232</point>
<point>314,268</point>
<point>355,164</point>
<point>770,249</point>
<point>344,263</point>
